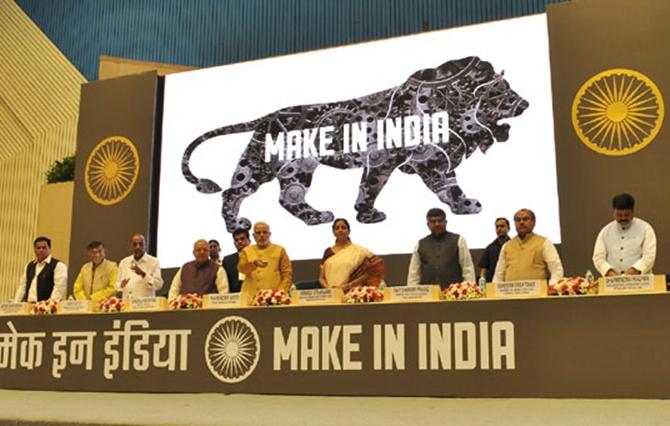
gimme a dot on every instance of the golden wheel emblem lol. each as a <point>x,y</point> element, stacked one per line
<point>617,112</point>
<point>111,170</point>
<point>232,349</point>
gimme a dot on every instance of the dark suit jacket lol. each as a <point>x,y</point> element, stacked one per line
<point>230,265</point>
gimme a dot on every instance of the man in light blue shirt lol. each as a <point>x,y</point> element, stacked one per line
<point>627,245</point>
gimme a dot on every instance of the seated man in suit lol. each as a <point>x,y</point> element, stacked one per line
<point>235,278</point>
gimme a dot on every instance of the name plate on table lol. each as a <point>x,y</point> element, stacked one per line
<point>225,300</point>
<point>14,308</point>
<point>75,307</point>
<point>514,289</point>
<point>630,284</point>
<point>414,293</point>
<point>146,304</point>
<point>319,296</point>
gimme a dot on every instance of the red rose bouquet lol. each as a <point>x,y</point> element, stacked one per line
<point>44,307</point>
<point>463,291</point>
<point>186,301</point>
<point>572,287</point>
<point>271,297</point>
<point>364,294</point>
<point>111,304</point>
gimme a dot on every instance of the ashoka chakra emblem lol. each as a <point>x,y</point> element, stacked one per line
<point>618,112</point>
<point>111,170</point>
<point>232,349</point>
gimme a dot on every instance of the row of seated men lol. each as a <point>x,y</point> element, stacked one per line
<point>626,245</point>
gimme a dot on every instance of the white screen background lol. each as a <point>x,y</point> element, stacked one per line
<point>520,172</point>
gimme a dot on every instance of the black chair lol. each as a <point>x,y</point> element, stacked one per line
<point>307,285</point>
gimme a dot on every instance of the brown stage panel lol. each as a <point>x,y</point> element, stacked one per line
<point>580,347</point>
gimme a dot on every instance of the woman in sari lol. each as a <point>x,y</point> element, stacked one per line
<point>346,265</point>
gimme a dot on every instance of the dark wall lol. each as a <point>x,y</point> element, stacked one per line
<point>586,38</point>
<point>123,107</point>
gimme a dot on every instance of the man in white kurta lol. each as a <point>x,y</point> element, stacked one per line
<point>139,273</point>
<point>627,245</point>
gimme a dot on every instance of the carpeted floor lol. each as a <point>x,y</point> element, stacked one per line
<point>86,408</point>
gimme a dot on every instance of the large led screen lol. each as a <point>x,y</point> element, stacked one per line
<point>376,132</point>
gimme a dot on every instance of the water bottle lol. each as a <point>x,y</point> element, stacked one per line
<point>382,285</point>
<point>589,276</point>
<point>292,290</point>
<point>482,284</point>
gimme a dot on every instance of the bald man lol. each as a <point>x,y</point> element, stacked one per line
<point>139,273</point>
<point>265,265</point>
<point>528,256</point>
<point>200,276</point>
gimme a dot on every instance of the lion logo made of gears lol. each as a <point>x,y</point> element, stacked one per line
<point>474,95</point>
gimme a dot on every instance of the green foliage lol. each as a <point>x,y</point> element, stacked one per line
<point>61,171</point>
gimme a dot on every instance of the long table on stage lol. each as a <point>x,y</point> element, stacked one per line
<point>578,347</point>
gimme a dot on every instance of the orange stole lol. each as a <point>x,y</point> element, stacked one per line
<point>373,268</point>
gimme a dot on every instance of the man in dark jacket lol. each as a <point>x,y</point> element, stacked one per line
<point>200,276</point>
<point>44,278</point>
<point>241,240</point>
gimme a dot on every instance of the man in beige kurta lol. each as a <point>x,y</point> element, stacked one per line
<point>265,265</point>
<point>528,256</point>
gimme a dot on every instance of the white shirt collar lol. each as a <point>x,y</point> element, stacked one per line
<point>621,228</point>
<point>44,262</point>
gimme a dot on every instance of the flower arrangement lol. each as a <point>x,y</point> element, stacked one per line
<point>463,291</point>
<point>186,301</point>
<point>271,297</point>
<point>111,304</point>
<point>573,286</point>
<point>44,307</point>
<point>364,294</point>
